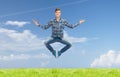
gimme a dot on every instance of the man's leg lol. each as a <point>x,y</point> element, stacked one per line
<point>68,45</point>
<point>47,44</point>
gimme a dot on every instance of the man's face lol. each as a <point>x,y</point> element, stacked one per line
<point>58,14</point>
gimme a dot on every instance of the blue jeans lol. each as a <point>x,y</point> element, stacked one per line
<point>57,39</point>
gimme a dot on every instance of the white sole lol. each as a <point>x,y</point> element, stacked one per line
<point>56,54</point>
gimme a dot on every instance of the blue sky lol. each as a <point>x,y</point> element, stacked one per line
<point>94,43</point>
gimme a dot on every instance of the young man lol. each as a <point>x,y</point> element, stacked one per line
<point>57,25</point>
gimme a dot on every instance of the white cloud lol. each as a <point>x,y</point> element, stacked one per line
<point>19,41</point>
<point>24,60</point>
<point>23,57</point>
<point>45,63</point>
<point>14,57</point>
<point>41,56</point>
<point>74,39</point>
<point>17,23</point>
<point>110,59</point>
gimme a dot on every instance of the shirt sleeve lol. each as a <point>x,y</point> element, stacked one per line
<point>70,25</point>
<point>46,26</point>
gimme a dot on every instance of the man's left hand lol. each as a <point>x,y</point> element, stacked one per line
<point>82,21</point>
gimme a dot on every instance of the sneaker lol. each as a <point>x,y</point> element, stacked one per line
<point>59,53</point>
<point>54,53</point>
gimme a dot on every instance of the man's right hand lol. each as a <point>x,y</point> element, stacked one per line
<point>36,23</point>
<point>82,21</point>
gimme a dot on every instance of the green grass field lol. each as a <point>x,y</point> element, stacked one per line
<point>60,72</point>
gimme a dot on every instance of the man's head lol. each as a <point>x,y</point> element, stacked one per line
<point>57,12</point>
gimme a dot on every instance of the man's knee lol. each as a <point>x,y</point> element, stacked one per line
<point>46,43</point>
<point>69,45</point>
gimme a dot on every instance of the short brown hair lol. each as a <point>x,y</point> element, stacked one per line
<point>57,9</point>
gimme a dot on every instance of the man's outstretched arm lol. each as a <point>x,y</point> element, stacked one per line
<point>43,27</point>
<point>73,26</point>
